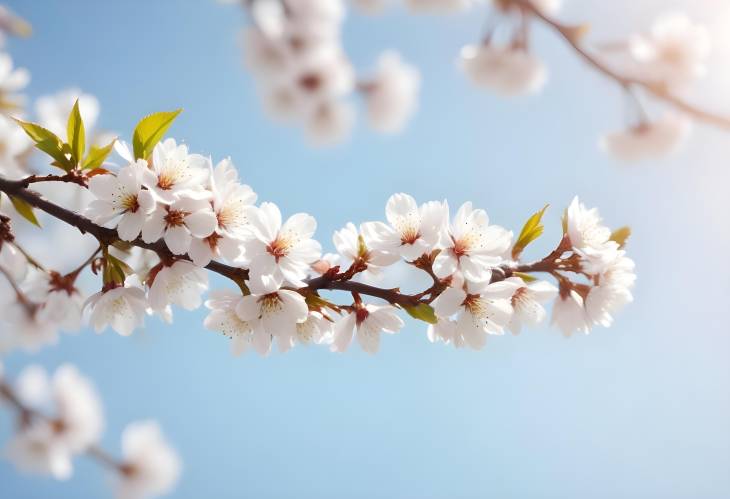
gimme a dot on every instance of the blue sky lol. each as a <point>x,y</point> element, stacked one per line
<point>640,410</point>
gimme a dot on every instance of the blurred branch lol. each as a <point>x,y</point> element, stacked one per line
<point>572,36</point>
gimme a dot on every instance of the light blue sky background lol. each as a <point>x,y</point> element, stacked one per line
<point>637,411</point>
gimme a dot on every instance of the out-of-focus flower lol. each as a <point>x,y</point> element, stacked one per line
<point>674,51</point>
<point>12,81</point>
<point>392,94</point>
<point>506,70</point>
<point>150,466</point>
<point>648,140</point>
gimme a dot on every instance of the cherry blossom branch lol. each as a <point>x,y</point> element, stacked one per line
<point>571,35</point>
<point>26,413</point>
<point>104,235</point>
<point>340,282</point>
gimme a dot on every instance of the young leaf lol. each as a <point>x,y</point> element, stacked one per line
<point>25,210</point>
<point>76,133</point>
<point>532,229</point>
<point>621,235</point>
<point>149,132</point>
<point>423,312</point>
<point>46,141</point>
<point>97,156</point>
<point>525,277</point>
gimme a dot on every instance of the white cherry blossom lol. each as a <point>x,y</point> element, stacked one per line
<point>61,303</point>
<point>273,315</point>
<point>366,323</point>
<point>181,283</point>
<point>224,319</point>
<point>352,246</point>
<point>506,70</point>
<point>33,450</point>
<point>438,6</point>
<point>176,173</point>
<point>179,222</point>
<point>569,314</point>
<point>480,311</point>
<point>27,328</point>
<point>527,303</point>
<point>474,246</point>
<point>123,196</point>
<point>231,200</point>
<point>277,251</point>
<point>316,329</point>
<point>121,308</point>
<point>648,140</point>
<point>612,292</point>
<point>412,230</point>
<point>151,466</point>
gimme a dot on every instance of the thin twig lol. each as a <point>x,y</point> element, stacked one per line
<point>657,89</point>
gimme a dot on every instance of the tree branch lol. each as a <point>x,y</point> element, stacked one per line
<point>657,89</point>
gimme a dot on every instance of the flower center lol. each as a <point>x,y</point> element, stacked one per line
<point>310,82</point>
<point>280,247</point>
<point>270,304</point>
<point>130,203</point>
<point>175,218</point>
<point>475,305</point>
<point>409,235</point>
<point>212,240</point>
<point>361,314</point>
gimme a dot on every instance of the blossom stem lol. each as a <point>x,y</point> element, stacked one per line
<point>657,89</point>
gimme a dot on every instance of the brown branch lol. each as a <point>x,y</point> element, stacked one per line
<point>657,89</point>
<point>327,281</point>
<point>100,455</point>
<point>103,234</point>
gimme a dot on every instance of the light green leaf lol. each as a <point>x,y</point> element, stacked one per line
<point>149,132</point>
<point>423,312</point>
<point>25,210</point>
<point>76,133</point>
<point>97,156</point>
<point>532,229</point>
<point>47,141</point>
<point>525,277</point>
<point>621,236</point>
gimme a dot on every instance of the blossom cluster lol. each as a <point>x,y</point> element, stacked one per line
<point>181,213</point>
<point>294,49</point>
<point>61,417</point>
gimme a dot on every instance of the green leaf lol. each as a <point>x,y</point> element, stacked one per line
<point>621,235</point>
<point>150,130</point>
<point>25,210</point>
<point>532,229</point>
<point>423,312</point>
<point>76,133</point>
<point>97,156</point>
<point>48,142</point>
<point>525,277</point>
